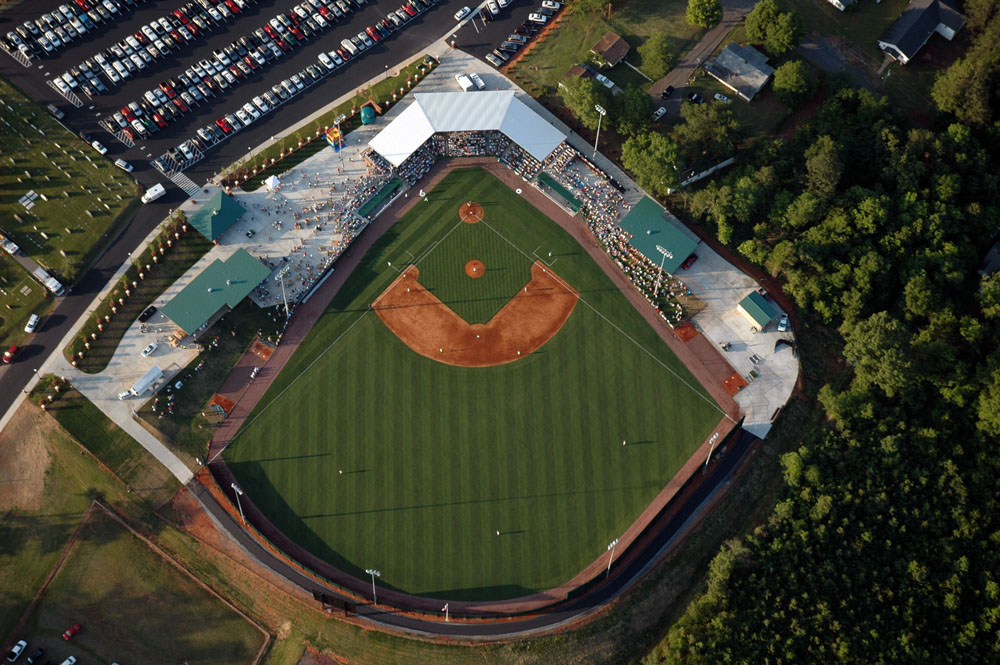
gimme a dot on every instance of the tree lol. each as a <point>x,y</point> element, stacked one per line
<point>705,13</point>
<point>581,96</point>
<point>632,112</point>
<point>656,56</point>
<point>653,159</point>
<point>878,350</point>
<point>792,83</point>
<point>777,30</point>
<point>964,89</point>
<point>824,166</point>
<point>706,128</point>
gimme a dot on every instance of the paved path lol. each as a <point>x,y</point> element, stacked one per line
<point>732,13</point>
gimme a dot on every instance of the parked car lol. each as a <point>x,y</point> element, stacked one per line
<point>658,113</point>
<point>75,628</point>
<point>666,93</point>
<point>8,358</point>
<point>147,352</point>
<point>461,13</point>
<point>147,314</point>
<point>17,649</point>
<point>722,98</point>
<point>783,323</point>
<point>689,261</point>
<point>696,98</point>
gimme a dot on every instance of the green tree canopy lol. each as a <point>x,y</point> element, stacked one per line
<point>653,159</point>
<point>778,31</point>
<point>824,166</point>
<point>656,56</point>
<point>706,130</point>
<point>581,95</point>
<point>704,13</point>
<point>792,83</point>
<point>632,111</point>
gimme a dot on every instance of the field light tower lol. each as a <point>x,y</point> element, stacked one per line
<point>239,493</point>
<point>603,112</point>
<point>665,254</point>
<point>281,276</point>
<point>374,573</point>
<point>611,548</point>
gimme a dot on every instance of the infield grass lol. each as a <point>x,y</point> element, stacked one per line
<point>437,458</point>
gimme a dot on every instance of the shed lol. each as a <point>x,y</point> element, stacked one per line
<point>757,310</point>
<point>742,69</point>
<point>220,287</point>
<point>650,230</point>
<point>612,49</point>
<point>218,214</point>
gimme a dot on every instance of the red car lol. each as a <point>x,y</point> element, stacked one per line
<point>176,36</point>
<point>181,106</point>
<point>73,630</point>
<point>282,44</point>
<point>271,32</point>
<point>158,119</point>
<point>82,4</point>
<point>8,355</point>
<point>223,125</point>
<point>251,63</point>
<point>127,112</point>
<point>168,90</point>
<point>344,55</point>
<point>324,12</point>
<point>689,261</point>
<point>374,34</point>
<point>387,24</point>
<point>297,32</point>
<point>233,7</point>
<point>408,9</point>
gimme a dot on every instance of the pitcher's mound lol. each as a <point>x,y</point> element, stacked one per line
<point>475,269</point>
<point>470,212</point>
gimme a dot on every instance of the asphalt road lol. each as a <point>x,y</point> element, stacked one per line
<point>620,579</point>
<point>418,34</point>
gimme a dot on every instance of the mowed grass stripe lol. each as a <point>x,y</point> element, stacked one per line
<point>449,455</point>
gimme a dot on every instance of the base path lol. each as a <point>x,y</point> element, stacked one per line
<point>425,324</point>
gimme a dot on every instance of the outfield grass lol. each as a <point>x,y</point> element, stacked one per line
<point>135,607</point>
<point>436,458</point>
<point>63,233</point>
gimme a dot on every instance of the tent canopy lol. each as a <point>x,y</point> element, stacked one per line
<point>272,182</point>
<point>498,110</point>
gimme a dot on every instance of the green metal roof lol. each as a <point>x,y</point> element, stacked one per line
<point>649,228</point>
<point>220,284</point>
<point>217,215</point>
<point>759,309</point>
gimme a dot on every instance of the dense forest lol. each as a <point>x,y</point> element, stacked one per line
<point>884,546</point>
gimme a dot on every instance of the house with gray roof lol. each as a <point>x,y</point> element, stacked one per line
<point>742,69</point>
<point>921,19</point>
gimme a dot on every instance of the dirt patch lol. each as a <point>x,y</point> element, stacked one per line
<point>475,269</point>
<point>686,331</point>
<point>261,349</point>
<point>470,212</point>
<point>24,458</point>
<point>428,326</point>
<point>312,657</point>
<point>734,383</point>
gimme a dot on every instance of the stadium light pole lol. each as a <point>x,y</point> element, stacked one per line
<point>239,493</point>
<point>374,573</point>
<point>664,254</point>
<point>602,112</point>
<point>611,548</point>
<point>281,277</point>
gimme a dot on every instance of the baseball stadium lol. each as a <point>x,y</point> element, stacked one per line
<point>478,412</point>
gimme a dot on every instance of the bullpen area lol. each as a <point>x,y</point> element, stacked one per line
<point>478,413</point>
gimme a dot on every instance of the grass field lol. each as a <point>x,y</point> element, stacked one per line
<point>635,20</point>
<point>87,194</point>
<point>436,458</point>
<point>22,295</point>
<point>134,607</point>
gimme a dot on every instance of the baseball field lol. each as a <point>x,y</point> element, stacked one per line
<point>372,455</point>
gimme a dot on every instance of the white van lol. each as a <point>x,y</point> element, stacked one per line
<point>465,82</point>
<point>349,46</point>
<point>153,193</point>
<point>32,323</point>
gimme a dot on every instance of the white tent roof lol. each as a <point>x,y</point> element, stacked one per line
<point>462,112</point>
<point>272,182</point>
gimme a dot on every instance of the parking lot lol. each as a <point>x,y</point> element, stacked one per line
<point>480,40</point>
<point>419,32</point>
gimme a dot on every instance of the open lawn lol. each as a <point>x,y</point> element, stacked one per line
<point>437,458</point>
<point>861,25</point>
<point>635,20</point>
<point>110,444</point>
<point>87,195</point>
<point>134,607</point>
<point>20,297</point>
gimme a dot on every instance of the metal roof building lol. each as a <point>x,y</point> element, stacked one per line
<point>742,69</point>
<point>650,230</point>
<point>218,214</point>
<point>434,112</point>
<point>757,310</point>
<point>220,286</point>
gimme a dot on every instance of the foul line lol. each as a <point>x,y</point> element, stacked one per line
<point>320,355</point>
<point>625,334</point>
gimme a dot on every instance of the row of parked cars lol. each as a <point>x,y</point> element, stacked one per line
<point>523,33</point>
<point>35,658</point>
<point>188,151</point>
<point>55,30</point>
<point>155,40</point>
